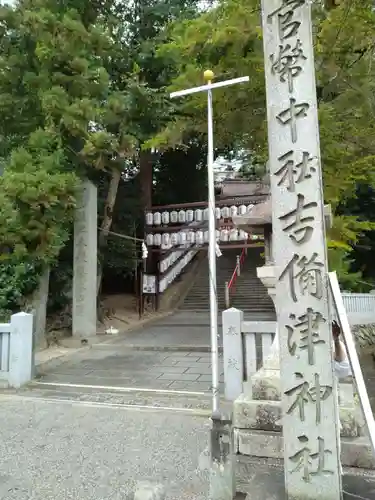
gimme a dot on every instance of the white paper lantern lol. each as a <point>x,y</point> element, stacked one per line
<point>181,216</point>
<point>157,218</point>
<point>165,239</point>
<point>163,266</point>
<point>224,235</point>
<point>165,217</point>
<point>249,207</point>
<point>162,285</point>
<point>198,215</point>
<point>242,210</point>
<point>174,239</point>
<point>233,235</point>
<point>206,236</point>
<point>189,216</point>
<point>174,217</point>
<point>150,239</point>
<point>157,239</point>
<point>182,238</point>
<point>191,237</point>
<point>225,212</point>
<point>233,211</point>
<point>217,213</point>
<point>205,213</point>
<point>149,218</point>
<point>199,237</point>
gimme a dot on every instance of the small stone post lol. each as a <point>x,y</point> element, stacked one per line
<point>222,467</point>
<point>308,387</point>
<point>85,263</point>
<point>233,353</point>
<point>21,359</point>
<point>226,295</point>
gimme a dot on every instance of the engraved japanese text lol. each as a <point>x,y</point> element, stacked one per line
<point>305,393</point>
<point>292,172</point>
<point>306,274</point>
<point>299,225</point>
<point>306,328</point>
<point>311,463</point>
<point>290,116</point>
<point>287,63</point>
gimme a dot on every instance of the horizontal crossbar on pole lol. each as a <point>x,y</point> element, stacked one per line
<point>209,86</point>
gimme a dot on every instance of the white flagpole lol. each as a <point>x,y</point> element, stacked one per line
<point>208,76</point>
<point>212,251</point>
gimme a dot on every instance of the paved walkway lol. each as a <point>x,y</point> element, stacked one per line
<point>117,366</point>
<point>171,354</point>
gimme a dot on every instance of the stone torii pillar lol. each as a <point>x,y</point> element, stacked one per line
<point>85,265</point>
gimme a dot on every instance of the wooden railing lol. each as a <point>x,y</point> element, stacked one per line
<point>230,286</point>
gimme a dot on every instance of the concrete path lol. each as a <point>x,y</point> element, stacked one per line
<point>61,451</point>
<point>171,354</point>
<point>56,451</point>
<point>178,329</point>
<point>116,366</point>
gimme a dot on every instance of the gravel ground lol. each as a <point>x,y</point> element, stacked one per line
<point>58,451</point>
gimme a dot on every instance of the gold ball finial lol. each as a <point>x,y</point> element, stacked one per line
<point>208,75</point>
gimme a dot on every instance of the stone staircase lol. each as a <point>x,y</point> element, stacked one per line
<point>250,294</point>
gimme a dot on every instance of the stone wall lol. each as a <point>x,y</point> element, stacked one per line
<point>364,336</point>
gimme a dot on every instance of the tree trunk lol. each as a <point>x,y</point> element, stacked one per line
<point>107,220</point>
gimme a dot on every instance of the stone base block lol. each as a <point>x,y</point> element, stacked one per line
<point>267,416</point>
<point>266,385</point>
<point>355,452</point>
<point>260,415</point>
<point>352,422</point>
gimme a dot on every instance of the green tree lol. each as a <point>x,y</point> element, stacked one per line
<point>54,102</point>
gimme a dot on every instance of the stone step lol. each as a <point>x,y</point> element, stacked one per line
<point>250,294</point>
<point>198,404</point>
<point>355,452</point>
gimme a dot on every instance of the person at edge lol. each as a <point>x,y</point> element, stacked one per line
<point>340,360</point>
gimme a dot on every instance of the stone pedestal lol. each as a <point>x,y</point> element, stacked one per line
<point>257,420</point>
<point>257,415</point>
<point>85,264</point>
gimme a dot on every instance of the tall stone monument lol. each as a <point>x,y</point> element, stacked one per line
<point>309,404</point>
<point>85,263</point>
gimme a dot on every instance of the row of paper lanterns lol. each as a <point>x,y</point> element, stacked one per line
<point>170,260</point>
<point>168,240</point>
<point>175,271</point>
<point>199,215</point>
